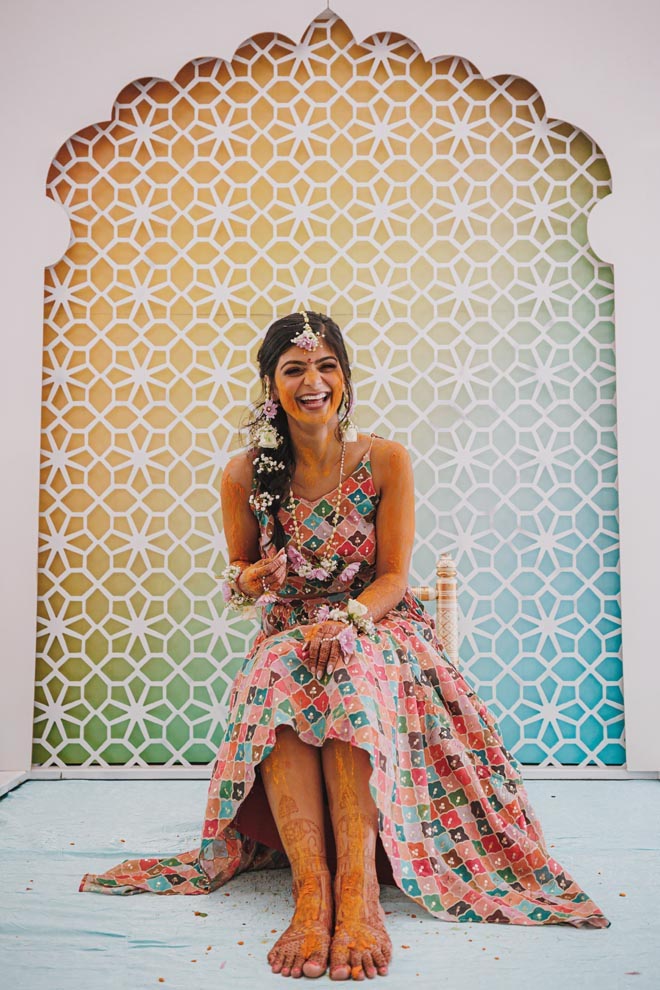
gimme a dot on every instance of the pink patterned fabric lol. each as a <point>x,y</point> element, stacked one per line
<point>455,821</point>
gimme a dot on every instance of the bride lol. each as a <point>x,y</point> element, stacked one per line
<point>354,751</point>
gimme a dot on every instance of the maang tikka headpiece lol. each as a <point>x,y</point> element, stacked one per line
<point>308,339</point>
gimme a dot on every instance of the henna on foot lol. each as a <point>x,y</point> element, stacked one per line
<point>302,950</point>
<point>360,944</point>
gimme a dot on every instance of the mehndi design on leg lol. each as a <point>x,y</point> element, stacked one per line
<point>361,945</point>
<point>298,812</point>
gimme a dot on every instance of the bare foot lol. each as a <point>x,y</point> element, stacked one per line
<point>302,950</point>
<point>360,944</point>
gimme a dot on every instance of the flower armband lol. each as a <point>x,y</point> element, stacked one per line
<point>231,593</point>
<point>354,618</point>
<point>235,598</point>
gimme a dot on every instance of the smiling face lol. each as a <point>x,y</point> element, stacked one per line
<point>309,385</point>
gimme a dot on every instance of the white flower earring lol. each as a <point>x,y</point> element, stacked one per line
<point>265,433</point>
<point>349,432</point>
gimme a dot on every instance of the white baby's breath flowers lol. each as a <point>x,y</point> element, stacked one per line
<point>265,463</point>
<point>260,501</point>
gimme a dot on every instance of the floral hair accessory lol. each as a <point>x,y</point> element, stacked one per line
<point>265,463</point>
<point>261,501</point>
<point>264,432</point>
<point>307,338</point>
<point>349,430</point>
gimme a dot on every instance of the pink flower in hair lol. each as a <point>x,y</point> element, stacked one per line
<point>307,339</point>
<point>350,571</point>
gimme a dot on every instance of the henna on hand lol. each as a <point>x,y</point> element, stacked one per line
<point>323,650</point>
<point>270,571</point>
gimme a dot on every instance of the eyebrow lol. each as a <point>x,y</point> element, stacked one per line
<point>328,357</point>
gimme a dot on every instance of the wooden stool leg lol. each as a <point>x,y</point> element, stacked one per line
<point>445,593</point>
<point>447,606</point>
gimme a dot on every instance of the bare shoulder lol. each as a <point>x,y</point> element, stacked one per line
<point>384,452</point>
<point>389,461</point>
<point>239,469</point>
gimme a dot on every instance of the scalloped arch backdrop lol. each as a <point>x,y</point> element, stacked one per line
<point>441,218</point>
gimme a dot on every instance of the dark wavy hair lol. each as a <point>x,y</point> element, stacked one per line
<point>277,340</point>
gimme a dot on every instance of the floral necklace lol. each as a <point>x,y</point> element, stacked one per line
<point>328,561</point>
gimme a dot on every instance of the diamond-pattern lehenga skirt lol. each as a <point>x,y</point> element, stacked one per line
<point>457,833</point>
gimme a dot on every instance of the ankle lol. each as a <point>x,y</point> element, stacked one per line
<point>357,881</point>
<point>313,897</point>
<point>356,871</point>
<point>317,878</point>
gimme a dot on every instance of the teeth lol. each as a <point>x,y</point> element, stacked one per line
<point>314,398</point>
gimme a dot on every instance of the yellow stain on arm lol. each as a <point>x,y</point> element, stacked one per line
<point>239,522</point>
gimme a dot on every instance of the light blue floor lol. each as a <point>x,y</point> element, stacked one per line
<point>607,834</point>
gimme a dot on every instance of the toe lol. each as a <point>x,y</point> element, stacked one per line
<point>316,965</point>
<point>380,960</point>
<point>368,965</point>
<point>297,965</point>
<point>286,963</point>
<point>356,965</point>
<point>275,963</point>
<point>342,972</point>
<point>340,967</point>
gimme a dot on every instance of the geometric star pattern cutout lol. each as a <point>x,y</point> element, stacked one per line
<point>441,218</point>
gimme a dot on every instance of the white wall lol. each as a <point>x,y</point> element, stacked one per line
<point>593,61</point>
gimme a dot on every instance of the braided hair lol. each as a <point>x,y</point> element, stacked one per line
<point>277,340</point>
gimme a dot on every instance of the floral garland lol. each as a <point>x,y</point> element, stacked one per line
<point>306,569</point>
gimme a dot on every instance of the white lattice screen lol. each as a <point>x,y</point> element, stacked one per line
<point>440,217</point>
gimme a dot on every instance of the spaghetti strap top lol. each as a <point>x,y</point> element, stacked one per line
<point>354,546</point>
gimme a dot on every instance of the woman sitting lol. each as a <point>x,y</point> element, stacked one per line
<point>347,692</point>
